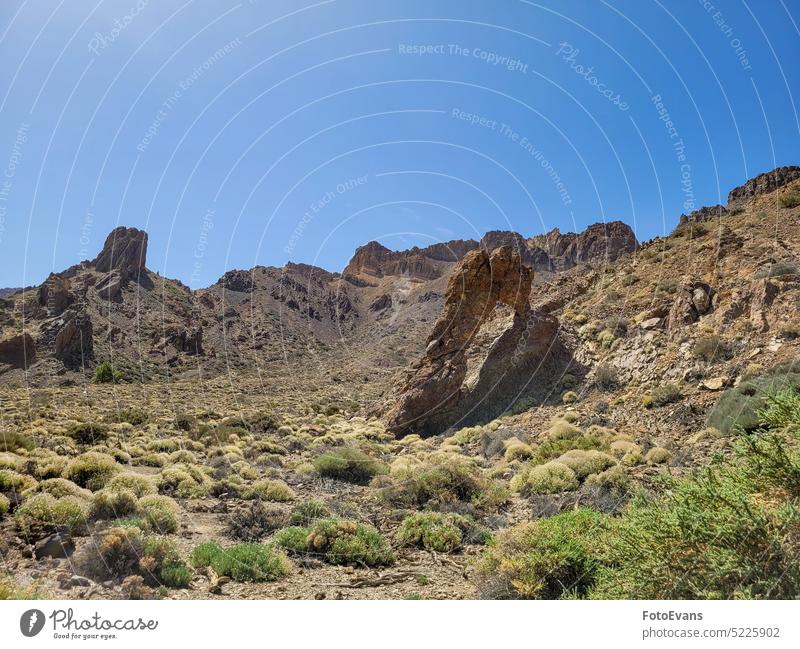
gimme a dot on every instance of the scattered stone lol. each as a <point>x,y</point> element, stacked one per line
<point>651,323</point>
<point>714,384</point>
<point>58,545</point>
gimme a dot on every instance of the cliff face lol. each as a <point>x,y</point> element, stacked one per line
<point>598,244</point>
<point>764,184</point>
<point>554,251</point>
<point>374,260</point>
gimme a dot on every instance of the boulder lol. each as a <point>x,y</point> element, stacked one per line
<point>651,323</point>
<point>693,300</point>
<point>58,545</point>
<point>17,351</point>
<point>485,350</point>
<point>714,384</point>
<point>763,295</point>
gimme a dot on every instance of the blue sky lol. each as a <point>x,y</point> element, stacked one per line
<point>251,133</point>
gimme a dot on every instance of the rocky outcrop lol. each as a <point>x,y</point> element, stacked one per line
<point>73,342</point>
<point>17,351</point>
<point>764,184</point>
<point>110,286</point>
<point>704,214</point>
<point>188,340</point>
<point>125,250</point>
<point>376,260</point>
<point>693,300</point>
<point>598,244</point>
<point>482,352</point>
<point>532,257</point>
<point>763,295</point>
<point>55,294</point>
<point>239,281</point>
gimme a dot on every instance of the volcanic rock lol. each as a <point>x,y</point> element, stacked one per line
<point>73,340</point>
<point>17,351</point>
<point>55,294</point>
<point>482,351</point>
<point>764,184</point>
<point>125,250</point>
<point>693,301</point>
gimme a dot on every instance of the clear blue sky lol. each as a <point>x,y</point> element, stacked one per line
<point>217,126</point>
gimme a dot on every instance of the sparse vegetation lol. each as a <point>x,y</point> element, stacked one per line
<point>244,562</point>
<point>105,373</point>
<point>339,542</point>
<point>348,464</point>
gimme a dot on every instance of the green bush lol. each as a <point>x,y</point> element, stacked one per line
<point>105,373</point>
<point>710,347</point>
<point>293,539</point>
<point>69,512</point>
<point>440,532</point>
<point>88,433</point>
<point>349,542</point>
<point>666,394</point>
<point>585,463</point>
<point>91,470</point>
<point>244,562</point>
<point>163,564</point>
<point>605,376</point>
<point>553,477</point>
<point>738,407</point>
<point>11,481</point>
<point>271,490</point>
<point>792,199</point>
<point>550,448</point>
<point>160,513</point>
<point>563,429</point>
<point>309,511</point>
<point>348,464</point>
<point>725,532</point>
<point>442,477</point>
<point>5,505</point>
<point>140,485</point>
<point>551,558</point>
<point>107,504</point>
<point>132,416</point>
<point>657,455</point>
<point>338,542</point>
<point>569,397</point>
<point>60,487</point>
<point>11,441</point>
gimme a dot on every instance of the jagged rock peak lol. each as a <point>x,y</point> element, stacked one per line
<point>764,183</point>
<point>125,250</point>
<point>376,260</point>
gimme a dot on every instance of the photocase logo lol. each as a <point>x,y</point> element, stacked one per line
<point>31,622</point>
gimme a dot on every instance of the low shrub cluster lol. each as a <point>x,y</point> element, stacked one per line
<point>338,541</point>
<point>441,478</point>
<point>348,464</point>
<point>440,532</point>
<point>243,562</point>
<point>725,532</point>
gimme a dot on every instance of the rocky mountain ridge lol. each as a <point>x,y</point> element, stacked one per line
<point>375,318</point>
